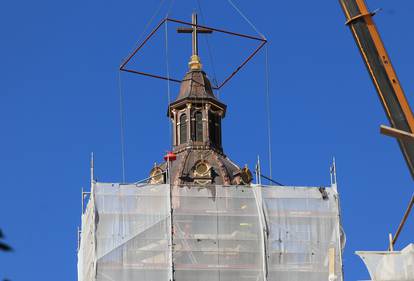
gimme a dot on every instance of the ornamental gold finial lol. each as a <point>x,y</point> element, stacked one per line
<point>195,63</point>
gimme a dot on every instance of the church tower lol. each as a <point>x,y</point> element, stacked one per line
<point>199,218</point>
<point>196,117</point>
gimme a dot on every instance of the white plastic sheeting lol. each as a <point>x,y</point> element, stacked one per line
<point>219,233</point>
<point>390,266</point>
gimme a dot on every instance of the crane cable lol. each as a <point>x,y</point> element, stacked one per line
<point>122,114</point>
<point>267,86</point>
<point>209,49</point>
<point>121,98</point>
<point>268,110</point>
<point>212,64</point>
<point>150,21</point>
<point>168,76</point>
<point>167,64</point>
<point>122,125</point>
<point>171,242</point>
<point>246,18</point>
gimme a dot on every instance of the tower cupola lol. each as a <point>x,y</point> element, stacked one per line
<point>196,115</point>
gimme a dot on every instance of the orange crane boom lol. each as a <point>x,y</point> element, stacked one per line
<point>385,79</point>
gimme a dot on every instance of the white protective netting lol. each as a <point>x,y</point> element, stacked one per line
<point>390,266</point>
<point>219,233</point>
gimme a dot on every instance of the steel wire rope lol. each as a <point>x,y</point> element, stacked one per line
<point>172,2</point>
<point>246,18</point>
<point>122,125</point>
<point>268,110</point>
<point>167,64</point>
<point>267,86</point>
<point>149,22</point>
<point>121,97</point>
<point>168,160</point>
<point>210,58</point>
<point>209,50</point>
<point>218,91</point>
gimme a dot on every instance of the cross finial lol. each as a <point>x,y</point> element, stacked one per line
<point>195,62</point>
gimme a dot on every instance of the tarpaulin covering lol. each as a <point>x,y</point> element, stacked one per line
<point>215,233</point>
<point>390,265</point>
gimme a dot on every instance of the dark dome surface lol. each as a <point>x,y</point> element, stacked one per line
<point>195,85</point>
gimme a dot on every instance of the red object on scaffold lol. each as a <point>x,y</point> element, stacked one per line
<point>170,156</point>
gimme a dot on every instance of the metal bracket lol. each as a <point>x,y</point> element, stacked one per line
<point>398,134</point>
<point>357,17</point>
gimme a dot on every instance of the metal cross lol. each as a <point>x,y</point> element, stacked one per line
<point>194,30</point>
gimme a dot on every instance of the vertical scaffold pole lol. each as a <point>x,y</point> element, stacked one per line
<point>171,242</point>
<point>92,169</point>
<point>258,171</point>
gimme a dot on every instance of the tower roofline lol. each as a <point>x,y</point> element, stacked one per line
<point>179,104</point>
<point>196,89</point>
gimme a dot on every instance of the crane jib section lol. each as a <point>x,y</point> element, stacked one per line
<point>385,79</point>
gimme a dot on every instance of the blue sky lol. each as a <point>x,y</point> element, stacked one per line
<point>59,91</point>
